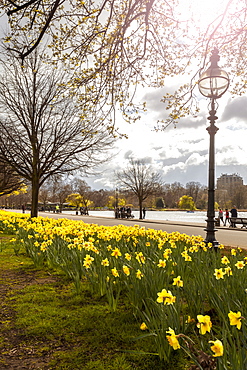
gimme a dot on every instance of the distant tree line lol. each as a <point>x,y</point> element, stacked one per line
<point>77,193</point>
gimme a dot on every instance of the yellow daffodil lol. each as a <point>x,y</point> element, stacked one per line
<point>228,271</point>
<point>172,339</point>
<point>235,319</point>
<point>126,270</point>
<point>217,348</point>
<point>127,256</point>
<point>233,252</point>
<point>219,273</point>
<point>115,272</point>
<point>143,326</point>
<point>240,265</point>
<point>140,257</point>
<point>166,297</point>
<point>88,261</point>
<point>225,260</point>
<point>178,282</point>
<point>139,274</point>
<point>204,324</point>
<point>116,252</point>
<point>187,258</point>
<point>190,320</point>
<point>162,263</point>
<point>105,262</point>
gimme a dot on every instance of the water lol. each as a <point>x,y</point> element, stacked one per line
<point>197,216</point>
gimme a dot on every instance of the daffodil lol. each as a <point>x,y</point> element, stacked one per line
<point>105,262</point>
<point>127,256</point>
<point>178,282</point>
<point>139,274</point>
<point>235,319</point>
<point>140,257</point>
<point>143,326</point>
<point>240,265</point>
<point>225,260</point>
<point>228,271</point>
<point>172,339</point>
<point>219,273</point>
<point>162,263</point>
<point>88,261</point>
<point>204,324</point>
<point>116,252</point>
<point>217,348</point>
<point>166,297</point>
<point>126,270</point>
<point>115,272</point>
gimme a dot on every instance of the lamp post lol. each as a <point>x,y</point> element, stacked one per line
<point>213,83</point>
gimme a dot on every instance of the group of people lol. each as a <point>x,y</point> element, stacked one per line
<point>123,212</point>
<point>233,212</point>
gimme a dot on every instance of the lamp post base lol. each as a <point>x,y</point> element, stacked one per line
<point>210,233</point>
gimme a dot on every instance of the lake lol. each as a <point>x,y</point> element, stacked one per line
<point>197,216</point>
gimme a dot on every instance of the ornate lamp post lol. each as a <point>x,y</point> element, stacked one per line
<point>213,84</point>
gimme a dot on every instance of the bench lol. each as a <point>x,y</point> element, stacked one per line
<point>238,221</point>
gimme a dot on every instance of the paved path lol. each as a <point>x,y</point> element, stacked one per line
<point>224,235</point>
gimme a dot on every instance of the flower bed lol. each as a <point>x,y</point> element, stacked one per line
<point>179,289</point>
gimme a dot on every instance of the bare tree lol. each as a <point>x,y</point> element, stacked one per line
<point>140,179</point>
<point>172,193</point>
<point>42,130</point>
<point>82,188</point>
<point>100,197</point>
<point>192,189</point>
<point>9,180</point>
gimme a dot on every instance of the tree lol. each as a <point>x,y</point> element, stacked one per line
<point>172,193</point>
<point>100,197</point>
<point>193,189</point>
<point>78,200</point>
<point>114,44</point>
<point>115,202</point>
<point>42,131</point>
<point>9,180</point>
<point>140,179</point>
<point>160,203</point>
<point>186,202</point>
<point>74,200</point>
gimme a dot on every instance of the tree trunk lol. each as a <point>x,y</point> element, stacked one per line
<point>140,209</point>
<point>35,197</point>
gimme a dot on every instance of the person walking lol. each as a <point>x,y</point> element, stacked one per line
<point>234,214</point>
<point>143,213</point>
<point>220,216</point>
<point>226,217</point>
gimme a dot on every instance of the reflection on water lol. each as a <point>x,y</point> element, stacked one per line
<point>197,216</point>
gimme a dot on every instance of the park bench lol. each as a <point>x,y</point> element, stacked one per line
<point>238,221</point>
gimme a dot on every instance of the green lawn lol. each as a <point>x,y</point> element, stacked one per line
<point>46,325</point>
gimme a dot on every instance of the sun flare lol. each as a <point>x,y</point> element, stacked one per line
<point>203,11</point>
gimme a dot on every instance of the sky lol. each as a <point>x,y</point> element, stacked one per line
<point>181,154</point>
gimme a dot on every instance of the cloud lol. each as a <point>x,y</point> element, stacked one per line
<point>235,109</point>
<point>181,154</point>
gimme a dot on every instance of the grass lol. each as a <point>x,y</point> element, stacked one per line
<point>48,326</point>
